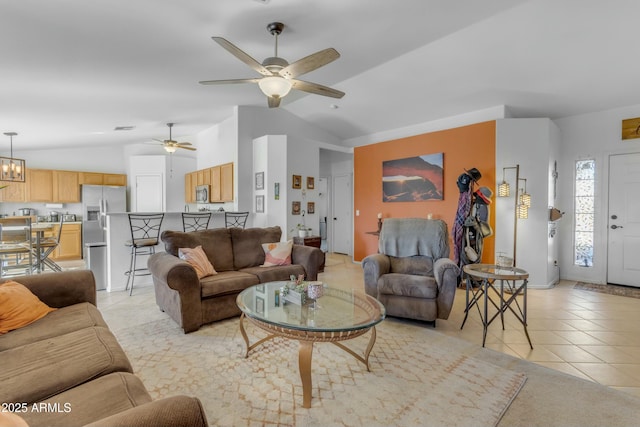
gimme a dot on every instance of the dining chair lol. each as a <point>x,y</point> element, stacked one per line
<point>235,219</point>
<point>45,247</point>
<point>16,255</point>
<point>145,235</point>
<point>195,221</point>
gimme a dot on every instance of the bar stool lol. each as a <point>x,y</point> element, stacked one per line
<point>235,219</point>
<point>195,221</point>
<point>145,235</point>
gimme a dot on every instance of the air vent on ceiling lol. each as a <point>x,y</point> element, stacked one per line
<point>124,128</point>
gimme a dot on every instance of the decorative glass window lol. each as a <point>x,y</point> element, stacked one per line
<point>584,212</point>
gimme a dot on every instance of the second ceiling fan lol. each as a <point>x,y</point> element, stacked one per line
<point>278,76</point>
<point>171,146</point>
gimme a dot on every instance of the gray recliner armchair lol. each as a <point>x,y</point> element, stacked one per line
<point>412,274</point>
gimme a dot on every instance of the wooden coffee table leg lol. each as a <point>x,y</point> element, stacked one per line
<point>304,365</point>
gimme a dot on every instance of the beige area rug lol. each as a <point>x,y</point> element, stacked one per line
<point>625,291</point>
<point>416,378</point>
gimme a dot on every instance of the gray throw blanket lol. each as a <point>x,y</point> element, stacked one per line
<point>402,237</point>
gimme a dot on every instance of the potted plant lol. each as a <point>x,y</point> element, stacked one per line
<point>302,230</point>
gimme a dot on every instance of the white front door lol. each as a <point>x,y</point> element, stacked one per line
<point>342,201</point>
<point>623,265</point>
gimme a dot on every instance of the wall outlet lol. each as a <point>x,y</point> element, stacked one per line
<point>357,212</point>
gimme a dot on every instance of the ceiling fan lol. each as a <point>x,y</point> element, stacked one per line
<point>171,146</point>
<point>278,76</point>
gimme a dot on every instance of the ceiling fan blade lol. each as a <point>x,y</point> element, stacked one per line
<point>316,88</point>
<point>273,101</point>
<point>231,81</point>
<point>186,148</point>
<point>309,63</point>
<point>183,143</point>
<point>242,56</point>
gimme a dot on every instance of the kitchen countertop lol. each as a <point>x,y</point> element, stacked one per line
<point>58,222</point>
<point>172,213</point>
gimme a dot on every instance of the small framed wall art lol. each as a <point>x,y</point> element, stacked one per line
<point>311,184</point>
<point>260,204</point>
<point>259,180</point>
<point>296,182</point>
<point>311,207</point>
<point>631,128</point>
<point>295,208</point>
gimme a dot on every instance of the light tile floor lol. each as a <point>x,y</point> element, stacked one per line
<point>583,333</point>
<point>587,334</point>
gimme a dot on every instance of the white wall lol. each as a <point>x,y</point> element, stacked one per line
<point>107,159</point>
<point>172,170</point>
<point>525,142</point>
<point>268,158</point>
<point>233,141</point>
<point>303,158</point>
<point>596,136</point>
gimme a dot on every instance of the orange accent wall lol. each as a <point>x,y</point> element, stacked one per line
<point>466,147</point>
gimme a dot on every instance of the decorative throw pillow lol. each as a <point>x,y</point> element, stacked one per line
<point>198,259</point>
<point>278,253</point>
<point>19,307</point>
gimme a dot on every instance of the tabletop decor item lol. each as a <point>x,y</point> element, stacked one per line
<point>298,291</point>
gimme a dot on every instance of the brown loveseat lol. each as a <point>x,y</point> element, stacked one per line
<point>67,369</point>
<point>237,255</point>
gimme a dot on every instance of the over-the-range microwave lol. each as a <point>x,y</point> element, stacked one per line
<point>202,194</point>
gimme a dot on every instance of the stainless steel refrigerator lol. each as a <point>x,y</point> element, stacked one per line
<point>97,201</point>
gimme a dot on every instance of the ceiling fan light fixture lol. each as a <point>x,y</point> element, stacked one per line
<point>275,86</point>
<point>170,149</point>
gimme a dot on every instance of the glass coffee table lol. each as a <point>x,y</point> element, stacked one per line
<point>337,315</point>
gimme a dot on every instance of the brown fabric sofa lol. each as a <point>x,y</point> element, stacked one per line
<point>236,255</point>
<point>67,368</point>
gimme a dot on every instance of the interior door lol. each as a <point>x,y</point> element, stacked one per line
<point>149,193</point>
<point>623,265</point>
<point>342,219</point>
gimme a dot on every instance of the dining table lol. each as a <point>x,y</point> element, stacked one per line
<point>37,229</point>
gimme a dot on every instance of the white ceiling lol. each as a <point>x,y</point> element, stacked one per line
<point>73,70</point>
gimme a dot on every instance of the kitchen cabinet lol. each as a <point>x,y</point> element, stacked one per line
<point>226,182</point>
<point>70,246</point>
<point>214,193</point>
<point>190,180</point>
<point>116,179</point>
<point>39,185</point>
<point>14,192</point>
<point>57,186</point>
<point>220,181</point>
<point>96,178</point>
<point>66,187</point>
<point>90,178</point>
<point>200,177</point>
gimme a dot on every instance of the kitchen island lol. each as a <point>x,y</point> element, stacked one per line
<point>119,255</point>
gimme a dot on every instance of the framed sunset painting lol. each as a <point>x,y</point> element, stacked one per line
<point>413,179</point>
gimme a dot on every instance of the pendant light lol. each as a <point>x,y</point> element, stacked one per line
<point>12,169</point>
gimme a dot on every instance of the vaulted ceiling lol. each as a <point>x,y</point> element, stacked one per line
<point>73,70</point>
